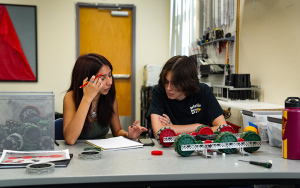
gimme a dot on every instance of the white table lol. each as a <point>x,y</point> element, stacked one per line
<point>252,106</point>
<point>137,167</point>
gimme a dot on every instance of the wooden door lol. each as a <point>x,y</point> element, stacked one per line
<point>111,37</point>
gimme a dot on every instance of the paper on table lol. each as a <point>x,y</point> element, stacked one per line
<point>13,157</point>
<point>115,143</point>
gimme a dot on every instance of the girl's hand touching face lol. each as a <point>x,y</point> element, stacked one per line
<point>92,88</point>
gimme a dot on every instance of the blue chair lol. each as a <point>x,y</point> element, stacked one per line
<point>59,135</point>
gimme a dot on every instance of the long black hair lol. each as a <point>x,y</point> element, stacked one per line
<point>87,66</point>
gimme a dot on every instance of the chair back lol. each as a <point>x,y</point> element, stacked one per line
<point>59,135</point>
<point>150,129</point>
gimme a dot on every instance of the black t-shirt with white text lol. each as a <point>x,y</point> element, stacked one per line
<point>202,107</point>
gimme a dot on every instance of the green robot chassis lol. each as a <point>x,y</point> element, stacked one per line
<point>226,142</point>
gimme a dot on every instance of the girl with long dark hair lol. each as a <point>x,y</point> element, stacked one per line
<point>88,112</point>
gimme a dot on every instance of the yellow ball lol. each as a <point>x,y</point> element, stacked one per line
<point>250,128</point>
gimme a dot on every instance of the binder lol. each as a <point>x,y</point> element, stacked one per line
<point>61,163</point>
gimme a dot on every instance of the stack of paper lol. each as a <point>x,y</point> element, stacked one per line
<point>115,143</point>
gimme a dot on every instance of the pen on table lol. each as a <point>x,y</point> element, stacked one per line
<point>266,165</point>
<point>56,143</point>
<point>88,81</point>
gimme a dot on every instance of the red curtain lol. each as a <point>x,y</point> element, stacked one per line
<point>13,63</point>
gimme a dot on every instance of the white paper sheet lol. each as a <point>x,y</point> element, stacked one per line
<point>115,143</point>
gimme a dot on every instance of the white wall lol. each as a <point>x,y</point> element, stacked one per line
<point>57,45</point>
<point>269,47</point>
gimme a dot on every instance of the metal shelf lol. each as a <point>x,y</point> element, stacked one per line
<point>236,100</point>
<point>218,40</point>
<point>231,88</point>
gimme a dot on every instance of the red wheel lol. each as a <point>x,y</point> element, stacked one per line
<point>206,130</point>
<point>208,142</point>
<point>227,128</point>
<point>28,112</point>
<point>241,140</point>
<point>194,133</point>
<point>167,132</point>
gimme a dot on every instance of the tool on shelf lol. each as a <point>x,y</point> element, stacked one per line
<point>226,55</point>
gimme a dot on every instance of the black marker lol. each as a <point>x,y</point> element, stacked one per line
<point>266,165</point>
<point>56,143</point>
